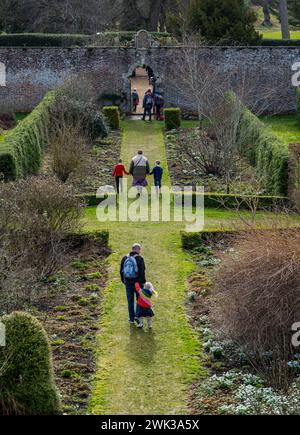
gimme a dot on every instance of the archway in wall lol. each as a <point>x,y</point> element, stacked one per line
<point>139,80</point>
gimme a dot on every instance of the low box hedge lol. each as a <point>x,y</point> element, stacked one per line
<point>215,200</point>
<point>112,116</point>
<point>101,238</point>
<point>172,118</point>
<point>280,42</point>
<point>66,40</point>
<point>190,241</point>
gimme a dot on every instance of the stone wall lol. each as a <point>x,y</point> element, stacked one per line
<point>31,72</point>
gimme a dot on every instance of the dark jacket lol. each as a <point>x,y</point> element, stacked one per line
<point>141,278</point>
<point>146,99</point>
<point>157,172</point>
<point>139,171</point>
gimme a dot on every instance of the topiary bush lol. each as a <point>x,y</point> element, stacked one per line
<point>27,385</point>
<point>112,115</point>
<point>172,118</point>
<point>266,152</point>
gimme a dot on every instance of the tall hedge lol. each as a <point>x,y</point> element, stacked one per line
<point>266,152</point>
<point>27,381</point>
<point>22,149</point>
<point>21,152</point>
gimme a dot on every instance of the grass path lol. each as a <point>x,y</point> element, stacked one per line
<point>146,372</point>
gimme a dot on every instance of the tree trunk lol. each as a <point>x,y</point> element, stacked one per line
<point>284,19</point>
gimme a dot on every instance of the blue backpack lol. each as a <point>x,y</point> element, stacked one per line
<point>130,269</point>
<point>149,100</point>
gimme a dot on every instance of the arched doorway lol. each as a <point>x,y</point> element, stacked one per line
<point>141,81</point>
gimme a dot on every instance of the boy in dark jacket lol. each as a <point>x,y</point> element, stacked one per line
<point>157,172</point>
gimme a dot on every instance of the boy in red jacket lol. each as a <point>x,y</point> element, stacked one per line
<point>118,173</point>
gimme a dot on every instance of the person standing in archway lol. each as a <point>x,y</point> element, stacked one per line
<point>148,105</point>
<point>135,100</point>
<point>150,73</point>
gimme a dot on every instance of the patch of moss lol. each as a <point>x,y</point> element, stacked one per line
<point>92,288</point>
<point>70,374</point>
<point>57,342</point>
<point>60,308</point>
<point>92,276</point>
<point>80,265</point>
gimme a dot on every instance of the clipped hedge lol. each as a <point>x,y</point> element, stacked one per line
<point>22,149</point>
<point>99,238</point>
<point>216,200</point>
<point>191,241</point>
<point>280,42</point>
<point>43,40</point>
<point>27,384</point>
<point>266,152</point>
<point>112,115</point>
<point>172,118</point>
<point>67,40</point>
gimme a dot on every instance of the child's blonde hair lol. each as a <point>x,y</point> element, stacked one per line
<point>149,286</point>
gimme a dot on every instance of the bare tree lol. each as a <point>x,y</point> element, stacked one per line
<point>265,5</point>
<point>53,16</point>
<point>68,150</point>
<point>284,19</point>
<point>220,95</point>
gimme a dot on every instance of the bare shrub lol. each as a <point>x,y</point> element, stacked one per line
<point>219,95</point>
<point>76,107</point>
<point>257,299</point>
<point>35,216</point>
<point>206,154</point>
<point>69,151</point>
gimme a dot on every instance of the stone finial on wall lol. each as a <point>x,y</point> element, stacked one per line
<point>143,40</point>
<point>294,170</point>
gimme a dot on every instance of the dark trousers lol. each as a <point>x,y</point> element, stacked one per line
<point>118,182</point>
<point>157,182</point>
<point>131,294</point>
<point>147,111</point>
<point>158,112</point>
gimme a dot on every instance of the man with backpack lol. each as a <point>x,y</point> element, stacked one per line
<point>148,105</point>
<point>132,271</point>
